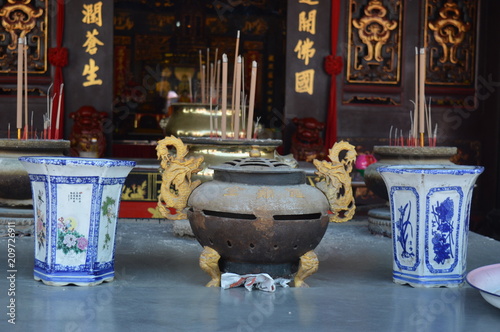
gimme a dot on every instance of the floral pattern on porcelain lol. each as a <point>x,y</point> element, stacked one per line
<point>76,203</point>
<point>108,211</point>
<point>442,230</point>
<point>405,230</point>
<point>430,207</point>
<point>68,239</point>
<point>41,227</point>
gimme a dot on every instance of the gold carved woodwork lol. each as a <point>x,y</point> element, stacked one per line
<point>209,262</point>
<point>308,265</point>
<point>334,180</point>
<point>20,19</point>
<point>374,46</point>
<point>450,39</point>
<point>176,169</point>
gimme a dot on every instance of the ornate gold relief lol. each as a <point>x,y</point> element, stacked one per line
<point>374,41</point>
<point>176,172</point>
<point>23,18</point>
<point>450,39</point>
<point>334,180</point>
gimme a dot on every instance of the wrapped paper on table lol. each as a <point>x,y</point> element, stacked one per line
<point>261,281</point>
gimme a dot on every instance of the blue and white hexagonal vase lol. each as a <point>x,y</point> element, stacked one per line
<point>430,211</point>
<point>75,203</point>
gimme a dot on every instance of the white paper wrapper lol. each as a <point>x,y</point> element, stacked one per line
<point>261,281</point>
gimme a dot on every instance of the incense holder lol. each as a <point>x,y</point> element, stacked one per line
<point>403,155</point>
<point>15,190</point>
<point>430,210</point>
<point>259,215</point>
<point>76,203</point>
<point>193,120</point>
<point>379,221</point>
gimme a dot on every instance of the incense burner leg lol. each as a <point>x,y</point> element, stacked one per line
<point>308,265</point>
<point>209,262</point>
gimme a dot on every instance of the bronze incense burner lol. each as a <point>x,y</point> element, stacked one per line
<point>259,215</point>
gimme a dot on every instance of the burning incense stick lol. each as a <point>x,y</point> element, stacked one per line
<point>235,91</point>
<point>208,77</point>
<point>224,96</point>
<point>217,82</point>
<point>19,113</point>
<point>58,118</point>
<point>243,100</point>
<point>25,83</point>
<point>415,111</point>
<point>421,103</point>
<point>203,84</point>
<point>253,80</point>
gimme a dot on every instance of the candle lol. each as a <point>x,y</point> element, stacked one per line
<point>236,110</point>
<point>224,96</point>
<point>253,80</point>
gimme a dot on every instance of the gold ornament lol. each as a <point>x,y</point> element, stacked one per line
<point>335,181</point>
<point>176,184</point>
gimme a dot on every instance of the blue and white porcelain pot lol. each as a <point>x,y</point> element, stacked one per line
<point>430,210</point>
<point>75,203</point>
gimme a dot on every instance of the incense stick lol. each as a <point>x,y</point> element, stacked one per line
<point>19,106</point>
<point>421,103</point>
<point>224,97</point>
<point>234,91</point>
<point>236,111</point>
<point>25,83</point>
<point>58,118</point>
<point>217,82</point>
<point>253,80</point>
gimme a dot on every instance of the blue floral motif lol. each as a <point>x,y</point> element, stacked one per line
<point>442,230</point>
<point>402,226</point>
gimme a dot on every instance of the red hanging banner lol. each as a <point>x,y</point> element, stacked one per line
<point>58,57</point>
<point>333,66</point>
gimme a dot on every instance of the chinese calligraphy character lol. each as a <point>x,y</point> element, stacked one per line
<point>295,193</point>
<point>90,71</point>
<point>304,81</point>
<point>305,50</point>
<point>309,2</point>
<point>92,13</point>
<point>75,197</point>
<point>92,42</point>
<point>232,191</point>
<point>265,193</point>
<point>307,23</point>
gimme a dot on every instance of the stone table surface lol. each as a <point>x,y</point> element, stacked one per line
<point>160,287</point>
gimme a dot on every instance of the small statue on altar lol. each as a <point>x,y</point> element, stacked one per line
<point>307,143</point>
<point>87,136</point>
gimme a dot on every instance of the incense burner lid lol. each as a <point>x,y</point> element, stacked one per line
<point>258,171</point>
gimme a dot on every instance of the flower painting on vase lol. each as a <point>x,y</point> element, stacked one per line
<point>442,228</point>
<point>72,234</point>
<point>40,208</point>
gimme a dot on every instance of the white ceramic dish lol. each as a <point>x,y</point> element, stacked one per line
<point>487,280</point>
